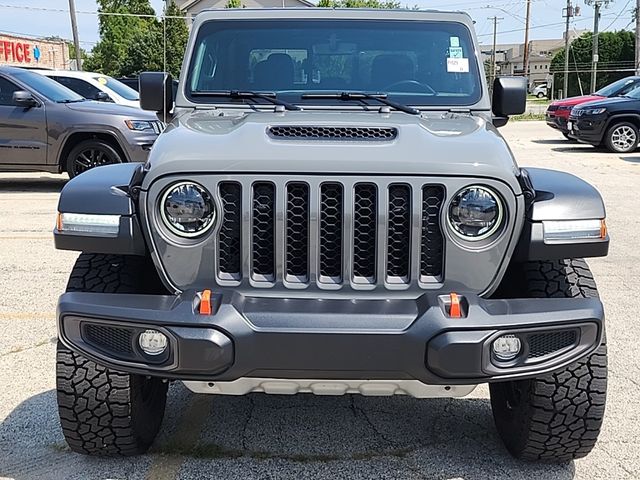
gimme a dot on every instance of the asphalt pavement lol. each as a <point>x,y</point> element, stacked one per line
<point>263,437</point>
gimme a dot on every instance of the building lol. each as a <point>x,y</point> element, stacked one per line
<point>192,7</point>
<point>21,51</point>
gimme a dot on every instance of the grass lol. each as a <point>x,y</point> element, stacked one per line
<point>528,117</point>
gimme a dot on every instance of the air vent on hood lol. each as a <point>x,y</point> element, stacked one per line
<point>311,132</point>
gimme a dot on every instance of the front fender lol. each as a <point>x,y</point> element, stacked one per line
<point>559,196</point>
<point>102,191</point>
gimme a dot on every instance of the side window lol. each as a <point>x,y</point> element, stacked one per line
<point>79,86</point>
<point>6,91</point>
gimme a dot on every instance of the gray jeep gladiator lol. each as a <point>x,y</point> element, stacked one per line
<point>331,210</point>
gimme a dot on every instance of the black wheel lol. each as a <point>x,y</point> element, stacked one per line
<point>556,417</point>
<point>622,137</point>
<point>89,154</point>
<point>102,411</point>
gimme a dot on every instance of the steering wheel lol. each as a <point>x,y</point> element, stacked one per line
<point>421,87</point>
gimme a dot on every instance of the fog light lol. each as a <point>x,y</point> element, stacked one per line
<point>153,342</point>
<point>506,347</point>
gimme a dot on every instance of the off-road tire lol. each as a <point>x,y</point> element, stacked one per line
<point>102,411</point>
<point>557,417</point>
<point>106,154</point>
<point>616,147</point>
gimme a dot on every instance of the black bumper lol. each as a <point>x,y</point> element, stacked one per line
<point>345,339</point>
<point>554,121</point>
<point>587,130</point>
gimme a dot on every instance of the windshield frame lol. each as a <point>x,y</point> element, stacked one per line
<point>476,99</point>
<point>622,82</point>
<point>31,79</point>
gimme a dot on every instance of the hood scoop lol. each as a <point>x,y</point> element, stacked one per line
<point>317,132</point>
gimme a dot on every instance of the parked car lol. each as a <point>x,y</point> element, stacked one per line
<point>95,86</point>
<point>293,232</point>
<point>558,112</point>
<point>44,126</point>
<point>540,91</point>
<point>611,122</point>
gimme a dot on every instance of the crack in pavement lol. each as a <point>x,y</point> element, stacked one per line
<point>41,343</point>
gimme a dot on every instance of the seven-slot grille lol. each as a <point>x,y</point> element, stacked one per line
<point>330,233</point>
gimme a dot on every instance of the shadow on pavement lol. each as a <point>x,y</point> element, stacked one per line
<point>44,184</point>
<point>261,436</point>
<point>635,159</point>
<point>555,141</point>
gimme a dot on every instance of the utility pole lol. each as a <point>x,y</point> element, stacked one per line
<point>74,29</point>
<point>525,59</point>
<point>494,60</point>
<point>568,13</point>
<point>596,20</point>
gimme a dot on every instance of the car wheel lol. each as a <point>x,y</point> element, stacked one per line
<point>622,137</point>
<point>102,411</point>
<point>89,154</point>
<point>540,95</point>
<point>555,417</point>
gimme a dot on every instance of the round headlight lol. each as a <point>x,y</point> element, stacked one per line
<point>475,213</point>
<point>187,209</point>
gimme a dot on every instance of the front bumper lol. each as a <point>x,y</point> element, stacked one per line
<point>556,121</point>
<point>139,144</point>
<point>587,129</point>
<point>332,339</point>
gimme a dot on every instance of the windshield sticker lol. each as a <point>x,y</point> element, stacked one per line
<point>458,65</point>
<point>455,52</point>
<point>102,80</point>
<point>454,41</point>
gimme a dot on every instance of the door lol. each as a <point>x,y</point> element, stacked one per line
<point>23,131</point>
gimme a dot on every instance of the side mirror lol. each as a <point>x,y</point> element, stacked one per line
<point>509,98</point>
<point>156,92</point>
<point>25,99</point>
<point>102,97</point>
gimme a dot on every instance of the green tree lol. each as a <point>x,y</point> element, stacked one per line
<point>359,4</point>
<point>234,4</point>
<point>177,37</point>
<point>616,60</point>
<point>118,32</point>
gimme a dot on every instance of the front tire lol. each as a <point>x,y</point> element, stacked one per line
<point>102,411</point>
<point>555,417</point>
<point>89,154</point>
<point>622,137</point>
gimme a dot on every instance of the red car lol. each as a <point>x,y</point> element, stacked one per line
<point>558,112</point>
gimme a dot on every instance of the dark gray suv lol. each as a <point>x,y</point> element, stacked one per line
<point>47,127</point>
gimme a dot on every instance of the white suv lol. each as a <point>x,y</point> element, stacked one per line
<point>94,86</point>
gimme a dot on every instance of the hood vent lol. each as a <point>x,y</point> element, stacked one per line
<point>311,132</point>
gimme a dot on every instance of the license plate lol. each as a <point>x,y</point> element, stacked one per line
<point>570,125</point>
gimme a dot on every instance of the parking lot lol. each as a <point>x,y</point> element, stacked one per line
<point>261,436</point>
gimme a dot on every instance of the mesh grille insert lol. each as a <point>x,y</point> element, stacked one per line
<point>365,218</point>
<point>110,339</point>
<point>229,253</point>
<point>541,344</point>
<point>263,240</point>
<point>399,231</point>
<point>297,234</point>
<point>432,244</point>
<point>333,133</point>
<point>331,211</point>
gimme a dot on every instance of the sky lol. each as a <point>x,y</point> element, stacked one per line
<point>51,17</point>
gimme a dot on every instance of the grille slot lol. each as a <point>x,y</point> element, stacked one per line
<point>116,340</point>
<point>399,232</point>
<point>365,223</point>
<point>297,232</point>
<point>229,251</point>
<point>542,344</point>
<point>315,132</point>
<point>263,231</point>
<point>331,212</point>
<point>432,240</point>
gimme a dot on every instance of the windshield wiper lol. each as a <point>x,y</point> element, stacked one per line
<point>380,97</point>
<point>238,94</point>
<point>68,100</point>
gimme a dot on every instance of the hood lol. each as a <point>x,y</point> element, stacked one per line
<point>571,101</point>
<point>108,108</point>
<point>430,144</point>
<point>607,102</point>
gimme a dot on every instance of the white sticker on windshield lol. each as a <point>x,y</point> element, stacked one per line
<point>454,41</point>
<point>455,52</point>
<point>458,65</point>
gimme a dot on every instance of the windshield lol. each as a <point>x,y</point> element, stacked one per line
<point>634,92</point>
<point>621,87</point>
<point>414,62</point>
<point>47,87</point>
<point>118,87</point>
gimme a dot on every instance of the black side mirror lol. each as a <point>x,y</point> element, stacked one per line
<point>102,97</point>
<point>509,98</point>
<point>25,99</point>
<point>156,92</point>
